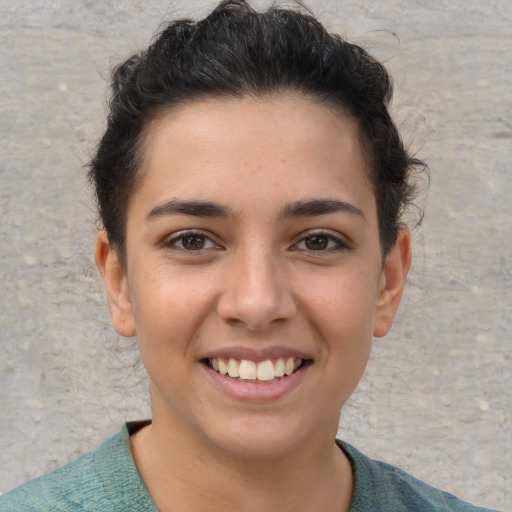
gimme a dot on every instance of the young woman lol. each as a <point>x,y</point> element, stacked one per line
<point>250,184</point>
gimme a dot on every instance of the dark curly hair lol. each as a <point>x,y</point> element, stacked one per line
<point>236,52</point>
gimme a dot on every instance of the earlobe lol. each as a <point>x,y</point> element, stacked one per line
<point>116,285</point>
<point>393,276</point>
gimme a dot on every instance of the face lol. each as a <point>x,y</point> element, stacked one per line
<point>253,249</point>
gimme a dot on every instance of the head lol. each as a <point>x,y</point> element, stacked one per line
<point>250,182</point>
<point>237,52</point>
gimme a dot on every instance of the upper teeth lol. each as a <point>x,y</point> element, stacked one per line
<point>250,370</point>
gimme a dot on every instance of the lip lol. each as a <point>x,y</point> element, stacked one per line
<point>257,391</point>
<point>256,355</point>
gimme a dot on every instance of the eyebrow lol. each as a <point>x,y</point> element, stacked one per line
<point>319,207</point>
<point>199,208</point>
<point>195,208</point>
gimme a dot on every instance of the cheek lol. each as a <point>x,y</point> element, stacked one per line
<point>163,333</point>
<point>169,305</point>
<point>345,302</point>
<point>343,312</point>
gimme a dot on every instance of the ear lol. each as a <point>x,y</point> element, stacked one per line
<point>116,284</point>
<point>395,270</point>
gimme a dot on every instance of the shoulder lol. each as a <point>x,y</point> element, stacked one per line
<point>386,488</point>
<point>104,479</point>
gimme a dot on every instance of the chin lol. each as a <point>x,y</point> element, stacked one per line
<point>262,439</point>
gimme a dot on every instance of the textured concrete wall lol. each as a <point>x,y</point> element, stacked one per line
<point>436,397</point>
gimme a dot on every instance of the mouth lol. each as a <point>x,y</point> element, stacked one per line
<point>267,371</point>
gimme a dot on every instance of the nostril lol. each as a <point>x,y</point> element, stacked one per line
<point>256,314</point>
<point>254,295</point>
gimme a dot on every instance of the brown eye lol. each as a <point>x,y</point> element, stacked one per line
<point>321,243</point>
<point>189,241</point>
<point>193,242</point>
<point>316,242</point>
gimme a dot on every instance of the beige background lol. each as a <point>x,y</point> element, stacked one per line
<point>436,398</point>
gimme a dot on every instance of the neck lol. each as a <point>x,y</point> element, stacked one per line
<point>188,475</point>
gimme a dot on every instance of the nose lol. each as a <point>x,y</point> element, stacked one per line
<point>256,293</point>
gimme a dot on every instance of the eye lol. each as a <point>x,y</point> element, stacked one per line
<point>190,241</point>
<point>320,242</point>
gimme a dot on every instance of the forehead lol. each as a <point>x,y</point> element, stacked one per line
<point>241,148</point>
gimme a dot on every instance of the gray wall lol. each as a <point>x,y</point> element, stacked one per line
<point>436,398</point>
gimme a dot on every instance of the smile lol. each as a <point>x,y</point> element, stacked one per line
<point>265,371</point>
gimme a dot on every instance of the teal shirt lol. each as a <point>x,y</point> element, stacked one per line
<point>107,480</point>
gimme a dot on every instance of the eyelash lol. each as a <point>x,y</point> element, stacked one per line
<point>173,241</point>
<point>334,243</point>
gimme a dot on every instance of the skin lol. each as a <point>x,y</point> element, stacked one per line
<point>251,280</point>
